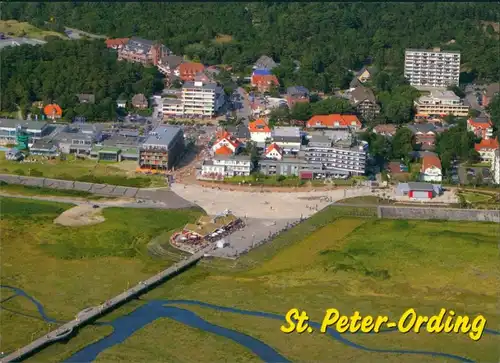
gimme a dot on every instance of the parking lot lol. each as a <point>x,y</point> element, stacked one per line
<point>467,174</point>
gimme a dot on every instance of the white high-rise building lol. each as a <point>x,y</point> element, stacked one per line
<point>198,99</point>
<point>432,68</point>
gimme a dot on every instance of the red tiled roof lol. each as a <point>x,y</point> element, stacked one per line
<point>274,146</point>
<point>481,125</point>
<point>116,42</point>
<point>224,150</point>
<point>258,126</point>
<point>230,138</point>
<point>430,161</point>
<point>487,144</point>
<point>52,110</point>
<point>189,70</point>
<point>331,120</point>
<point>264,80</point>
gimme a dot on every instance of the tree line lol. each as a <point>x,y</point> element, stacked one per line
<point>316,44</point>
<point>61,69</point>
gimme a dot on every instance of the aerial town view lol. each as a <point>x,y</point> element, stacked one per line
<point>249,182</point>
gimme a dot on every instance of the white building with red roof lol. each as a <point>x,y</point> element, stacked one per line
<point>273,151</point>
<point>259,131</point>
<point>431,170</point>
<point>486,148</point>
<point>334,121</point>
<point>226,141</point>
<point>481,127</point>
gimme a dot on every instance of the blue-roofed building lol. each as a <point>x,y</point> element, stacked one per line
<point>163,148</point>
<point>261,72</point>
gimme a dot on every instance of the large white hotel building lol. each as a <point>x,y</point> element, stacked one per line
<point>432,68</point>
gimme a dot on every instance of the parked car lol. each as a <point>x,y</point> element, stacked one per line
<point>471,172</point>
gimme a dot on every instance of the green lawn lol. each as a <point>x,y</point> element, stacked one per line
<point>341,257</point>
<point>23,29</point>
<point>70,268</point>
<point>81,170</point>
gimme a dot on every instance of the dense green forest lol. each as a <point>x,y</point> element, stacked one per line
<point>61,69</point>
<point>328,39</point>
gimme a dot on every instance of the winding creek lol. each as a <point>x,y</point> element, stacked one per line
<point>125,326</point>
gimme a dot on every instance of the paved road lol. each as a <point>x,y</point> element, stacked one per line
<point>77,34</point>
<point>244,110</point>
<point>92,313</point>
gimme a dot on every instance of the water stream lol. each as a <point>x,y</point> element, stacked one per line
<point>125,326</point>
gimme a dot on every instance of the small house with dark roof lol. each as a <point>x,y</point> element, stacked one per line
<point>265,62</point>
<point>365,103</point>
<point>140,101</point>
<point>297,94</point>
<point>86,98</point>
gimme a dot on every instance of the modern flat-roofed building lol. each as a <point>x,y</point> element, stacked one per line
<point>198,99</point>
<point>288,138</point>
<point>441,103</point>
<point>289,166</point>
<point>163,148</point>
<point>10,128</point>
<point>346,155</point>
<point>432,68</point>
<point>77,140</point>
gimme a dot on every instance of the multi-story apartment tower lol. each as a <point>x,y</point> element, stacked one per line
<point>344,155</point>
<point>432,68</point>
<point>198,99</point>
<point>163,148</point>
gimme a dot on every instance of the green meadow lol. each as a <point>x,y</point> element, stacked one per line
<point>341,258</point>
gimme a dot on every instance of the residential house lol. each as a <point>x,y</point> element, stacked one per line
<point>169,65</point>
<point>495,166</point>
<point>121,103</point>
<point>86,98</point>
<point>441,103</point>
<point>188,71</point>
<point>265,62</point>
<point>425,135</point>
<point>240,131</point>
<point>142,51</point>
<point>481,126</point>
<point>274,151</point>
<point>53,111</point>
<point>289,139</point>
<point>365,74</point>
<point>225,166</point>
<point>334,121</point>
<point>116,43</point>
<point>365,103</point>
<point>162,149</point>
<point>263,80</point>
<point>486,148</point>
<point>387,130</point>
<point>139,101</point>
<point>296,94</point>
<point>259,131</point>
<point>11,129</point>
<point>489,92</point>
<point>431,170</point>
<point>229,141</point>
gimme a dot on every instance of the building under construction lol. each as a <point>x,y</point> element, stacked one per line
<point>162,149</point>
